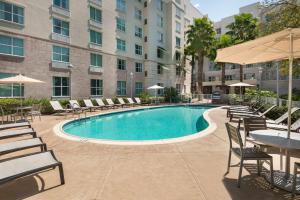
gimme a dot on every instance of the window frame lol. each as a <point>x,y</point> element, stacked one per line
<point>98,87</point>
<point>61,54</point>
<point>12,14</point>
<point>12,46</point>
<point>61,86</point>
<point>61,28</point>
<point>121,88</point>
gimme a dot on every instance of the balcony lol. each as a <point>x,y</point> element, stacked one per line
<point>95,24</point>
<point>94,69</point>
<point>60,65</point>
<point>96,2</point>
<point>61,38</point>
<point>95,46</point>
<point>60,11</point>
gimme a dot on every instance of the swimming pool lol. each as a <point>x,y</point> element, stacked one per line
<point>141,125</point>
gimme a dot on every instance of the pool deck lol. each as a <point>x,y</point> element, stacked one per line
<point>191,170</point>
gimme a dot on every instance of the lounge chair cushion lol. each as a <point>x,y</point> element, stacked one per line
<point>21,144</point>
<point>15,133</point>
<point>18,166</point>
<point>14,125</point>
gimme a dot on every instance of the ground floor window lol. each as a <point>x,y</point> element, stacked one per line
<point>96,87</point>
<point>178,88</point>
<point>10,90</point>
<point>121,88</point>
<point>61,86</point>
<point>138,88</point>
<point>160,92</point>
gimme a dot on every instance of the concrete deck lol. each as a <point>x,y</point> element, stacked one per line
<point>192,170</point>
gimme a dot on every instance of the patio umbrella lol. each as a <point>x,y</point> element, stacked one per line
<point>155,87</point>
<point>283,45</point>
<point>19,79</point>
<point>241,84</point>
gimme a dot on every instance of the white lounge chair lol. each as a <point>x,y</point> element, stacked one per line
<point>111,103</point>
<point>121,101</point>
<point>76,106</point>
<point>102,104</point>
<point>131,102</point>
<point>11,133</point>
<point>89,104</point>
<point>19,167</point>
<point>58,108</point>
<point>282,117</point>
<point>138,100</point>
<point>15,125</point>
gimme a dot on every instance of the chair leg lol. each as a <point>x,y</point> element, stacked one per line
<point>61,174</point>
<point>240,173</point>
<point>229,161</point>
<point>272,173</point>
<point>294,182</point>
<point>258,167</point>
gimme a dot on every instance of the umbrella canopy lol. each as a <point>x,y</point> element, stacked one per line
<point>241,84</point>
<point>20,79</point>
<point>269,48</point>
<point>155,87</point>
<point>282,45</point>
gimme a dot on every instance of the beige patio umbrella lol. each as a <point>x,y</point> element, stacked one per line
<point>241,84</point>
<point>155,87</point>
<point>19,79</point>
<point>283,45</point>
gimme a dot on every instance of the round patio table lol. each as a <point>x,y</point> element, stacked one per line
<point>279,139</point>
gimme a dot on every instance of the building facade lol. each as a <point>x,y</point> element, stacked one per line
<point>263,75</point>
<point>92,48</point>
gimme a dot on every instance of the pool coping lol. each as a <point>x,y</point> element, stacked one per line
<point>58,130</point>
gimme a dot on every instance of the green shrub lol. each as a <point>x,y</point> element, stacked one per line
<point>295,95</point>
<point>145,98</point>
<point>171,95</point>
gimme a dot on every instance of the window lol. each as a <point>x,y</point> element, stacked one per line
<point>61,27</point>
<point>137,13</point>
<point>178,42</point>
<point>178,71</point>
<point>121,45</point>
<point>121,26</point>
<point>177,56</point>
<point>121,88</point>
<point>121,5</point>
<point>160,21</point>
<point>160,53</point>
<point>12,13</point>
<point>160,37</point>
<point>228,77</point>
<point>160,92</point>
<point>95,37</point>
<point>159,5</point>
<point>211,78</point>
<point>95,14</point>
<point>178,12</point>
<point>96,60</point>
<point>64,4</point>
<point>96,87</point>
<point>61,87</point>
<point>11,46</point>
<point>121,64</point>
<point>60,54</point>
<point>178,88</point>
<point>138,88</point>
<point>138,49</point>
<point>178,27</point>
<point>10,90</point>
<point>159,69</point>
<point>138,32</point>
<point>138,67</point>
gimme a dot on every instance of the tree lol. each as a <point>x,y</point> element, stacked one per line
<point>244,28</point>
<point>279,15</point>
<point>223,42</point>
<point>201,40</point>
<point>188,51</point>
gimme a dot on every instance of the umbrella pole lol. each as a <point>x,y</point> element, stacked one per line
<point>290,85</point>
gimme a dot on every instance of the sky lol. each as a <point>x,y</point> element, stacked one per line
<point>218,9</point>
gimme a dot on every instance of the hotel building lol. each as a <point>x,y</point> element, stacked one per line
<point>94,48</point>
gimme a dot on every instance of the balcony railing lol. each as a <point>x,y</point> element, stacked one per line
<point>60,11</point>
<point>95,69</point>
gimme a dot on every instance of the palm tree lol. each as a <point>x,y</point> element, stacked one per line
<point>223,42</point>
<point>201,39</point>
<point>244,28</point>
<point>188,51</point>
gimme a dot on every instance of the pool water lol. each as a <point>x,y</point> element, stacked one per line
<point>144,124</point>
